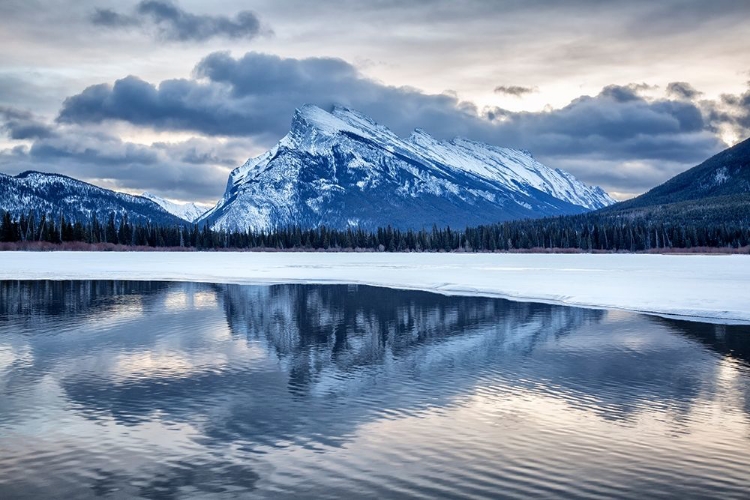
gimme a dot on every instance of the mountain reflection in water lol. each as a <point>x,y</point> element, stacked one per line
<point>172,390</point>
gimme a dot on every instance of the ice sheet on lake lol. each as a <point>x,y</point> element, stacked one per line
<point>710,288</point>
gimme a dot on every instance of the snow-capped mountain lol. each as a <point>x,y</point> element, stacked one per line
<point>342,169</point>
<point>55,195</point>
<point>187,211</point>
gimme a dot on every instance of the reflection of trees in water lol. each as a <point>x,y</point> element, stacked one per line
<point>345,353</point>
<point>333,338</point>
<point>39,300</point>
<point>729,340</point>
<point>317,331</point>
<point>347,327</point>
<point>51,316</point>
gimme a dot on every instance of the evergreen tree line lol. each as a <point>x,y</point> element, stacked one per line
<point>585,233</point>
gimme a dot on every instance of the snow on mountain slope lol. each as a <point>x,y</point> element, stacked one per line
<point>511,167</point>
<point>342,169</point>
<point>55,195</point>
<point>187,211</point>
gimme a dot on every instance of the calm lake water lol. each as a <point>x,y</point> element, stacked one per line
<point>171,390</point>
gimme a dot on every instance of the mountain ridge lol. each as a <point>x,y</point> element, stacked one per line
<point>58,194</point>
<point>343,169</point>
<point>190,211</point>
<point>716,191</point>
<point>726,173</point>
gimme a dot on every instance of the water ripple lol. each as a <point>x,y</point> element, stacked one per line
<point>169,390</point>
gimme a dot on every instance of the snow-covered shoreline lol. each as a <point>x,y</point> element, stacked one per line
<point>714,289</point>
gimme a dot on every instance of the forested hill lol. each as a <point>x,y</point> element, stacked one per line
<point>53,196</point>
<point>725,175</point>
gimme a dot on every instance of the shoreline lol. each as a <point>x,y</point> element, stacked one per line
<point>111,247</point>
<point>706,288</point>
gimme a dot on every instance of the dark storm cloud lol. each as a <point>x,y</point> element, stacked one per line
<point>617,120</point>
<point>112,19</point>
<point>195,169</point>
<point>255,96</point>
<point>252,96</point>
<point>515,90</point>
<point>92,148</point>
<point>203,152</point>
<point>682,90</point>
<point>732,111</point>
<point>617,138</point>
<point>629,92</point>
<point>20,124</point>
<point>173,23</point>
<point>743,119</point>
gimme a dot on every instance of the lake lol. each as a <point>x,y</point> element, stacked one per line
<point>119,389</point>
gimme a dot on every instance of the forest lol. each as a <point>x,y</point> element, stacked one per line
<point>586,233</point>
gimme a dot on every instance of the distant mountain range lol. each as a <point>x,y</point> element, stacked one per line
<point>190,212</point>
<point>55,195</point>
<point>342,169</point>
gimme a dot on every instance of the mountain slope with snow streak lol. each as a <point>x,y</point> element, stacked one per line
<point>187,211</point>
<point>342,169</point>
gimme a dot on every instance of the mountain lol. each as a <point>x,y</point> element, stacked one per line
<point>717,191</point>
<point>187,211</point>
<point>54,194</point>
<point>724,174</point>
<point>342,169</point>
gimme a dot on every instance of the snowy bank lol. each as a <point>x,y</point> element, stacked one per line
<point>708,288</point>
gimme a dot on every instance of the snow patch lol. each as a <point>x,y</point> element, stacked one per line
<point>708,288</point>
<point>721,176</point>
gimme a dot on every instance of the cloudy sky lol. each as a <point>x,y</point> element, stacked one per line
<point>168,97</point>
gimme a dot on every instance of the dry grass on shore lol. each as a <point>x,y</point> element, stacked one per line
<point>43,246</point>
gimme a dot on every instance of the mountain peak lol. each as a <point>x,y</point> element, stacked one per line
<point>310,116</point>
<point>187,211</point>
<point>341,168</point>
<point>355,119</point>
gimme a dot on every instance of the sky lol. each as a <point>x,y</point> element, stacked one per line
<point>168,97</point>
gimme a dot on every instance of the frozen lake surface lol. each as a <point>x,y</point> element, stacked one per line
<point>709,288</point>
